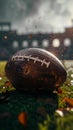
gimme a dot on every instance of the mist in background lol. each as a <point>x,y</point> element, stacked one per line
<point>37,15</point>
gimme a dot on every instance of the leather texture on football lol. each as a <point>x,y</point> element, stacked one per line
<point>35,69</point>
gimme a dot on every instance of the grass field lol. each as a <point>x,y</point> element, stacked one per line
<point>2,74</point>
<point>38,111</point>
<point>3,78</point>
<point>2,66</point>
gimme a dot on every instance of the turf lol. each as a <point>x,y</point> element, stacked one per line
<point>40,108</point>
<point>2,66</point>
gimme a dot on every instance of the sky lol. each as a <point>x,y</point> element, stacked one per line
<point>37,15</point>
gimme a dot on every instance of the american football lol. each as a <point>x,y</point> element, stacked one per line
<point>35,69</point>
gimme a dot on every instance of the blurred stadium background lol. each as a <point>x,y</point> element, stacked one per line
<point>60,44</point>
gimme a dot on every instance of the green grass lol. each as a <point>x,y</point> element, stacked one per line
<point>3,76</point>
<point>41,115</point>
<point>2,67</point>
